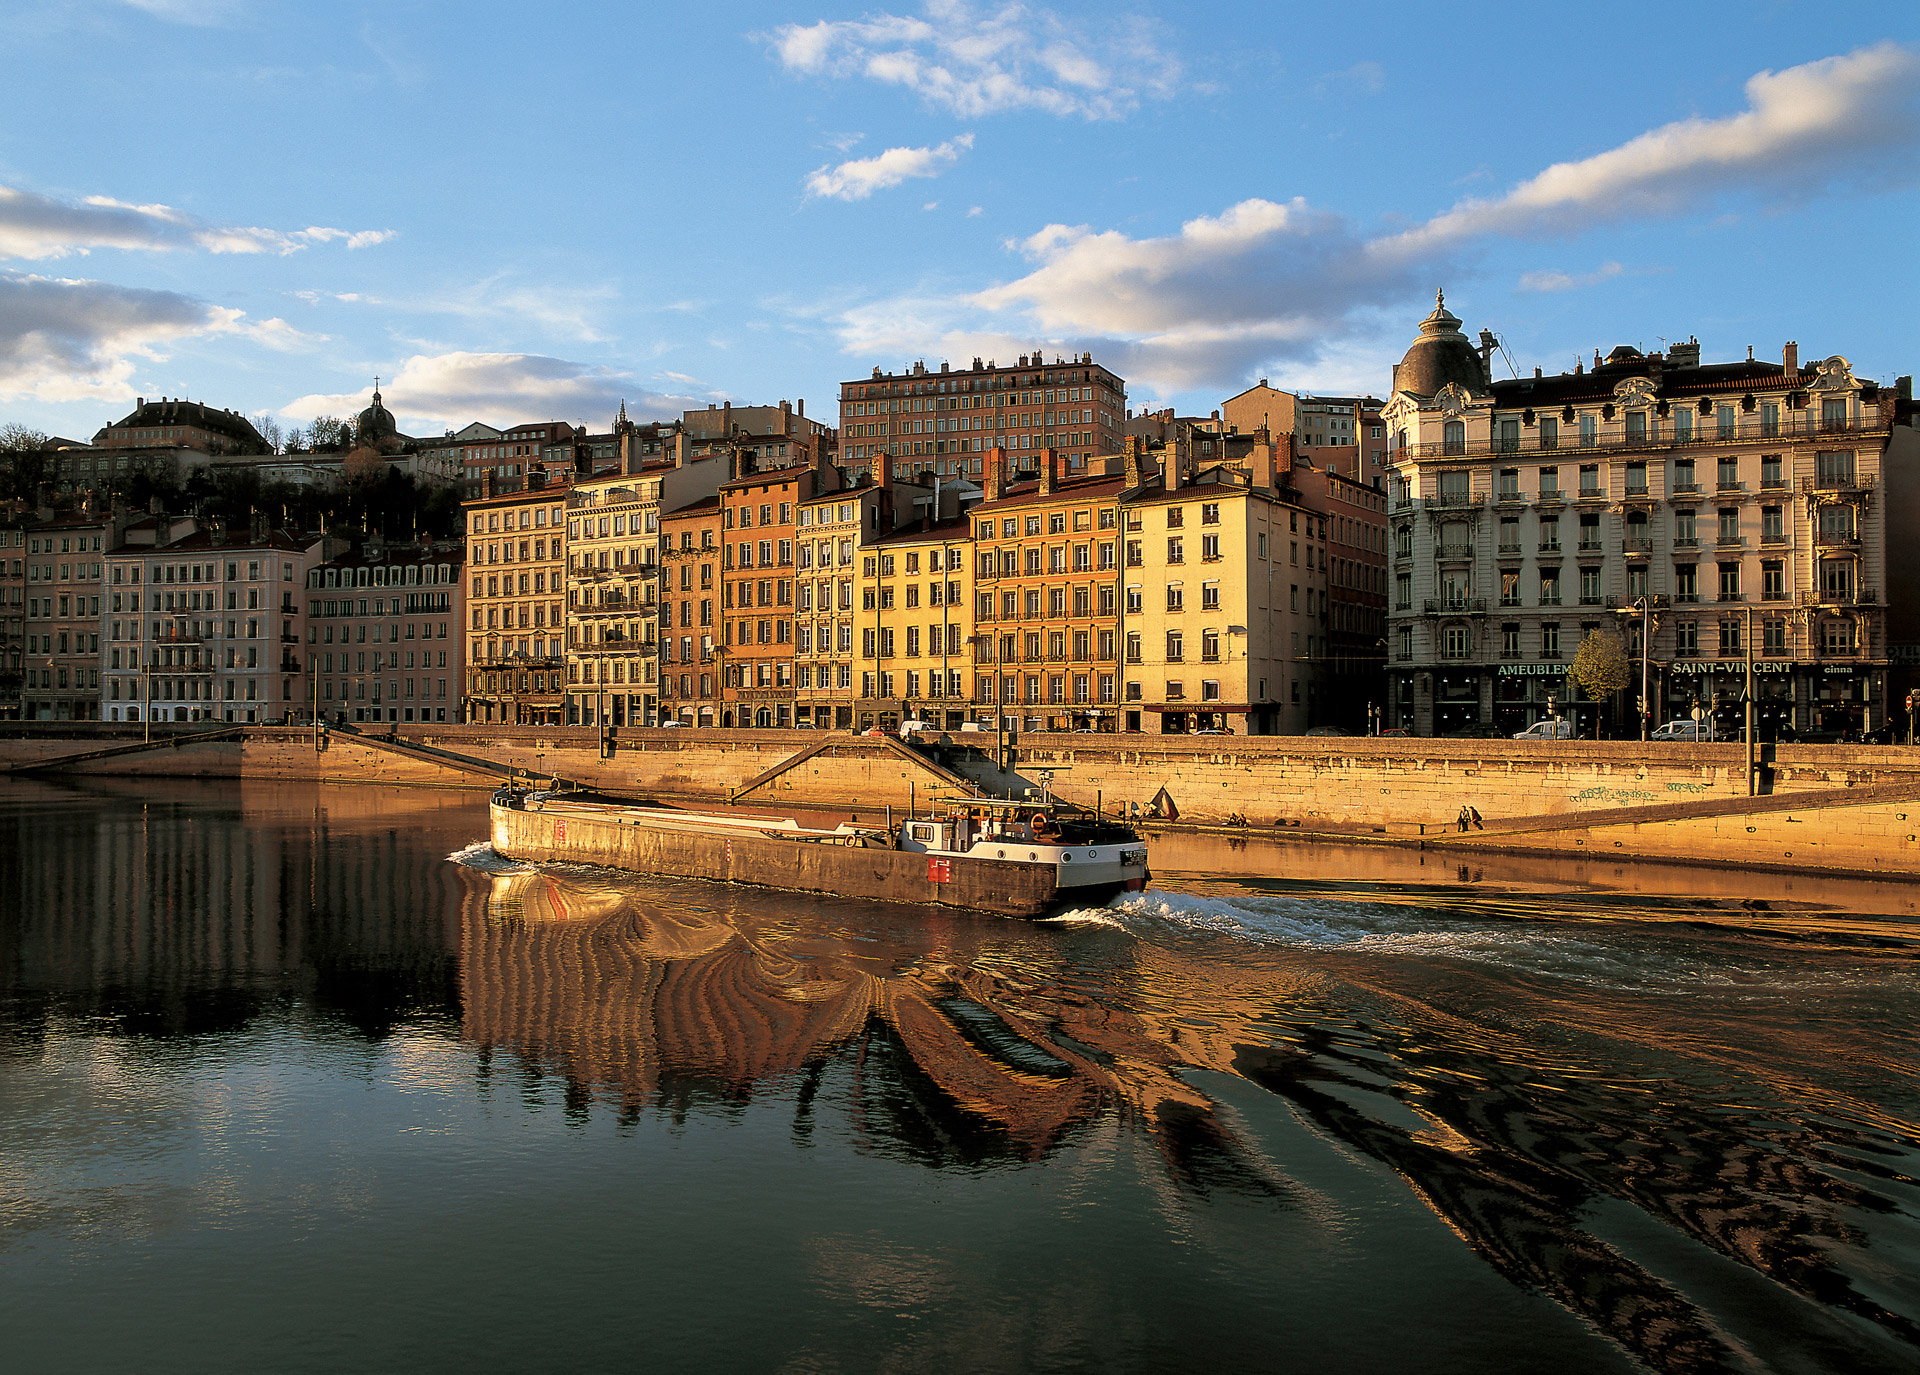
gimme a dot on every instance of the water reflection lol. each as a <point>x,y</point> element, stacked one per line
<point>1572,1142</point>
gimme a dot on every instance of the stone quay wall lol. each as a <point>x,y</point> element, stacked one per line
<point>1346,783</point>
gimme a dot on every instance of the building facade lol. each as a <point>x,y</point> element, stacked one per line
<point>944,422</point>
<point>1047,613</point>
<point>690,625</point>
<point>1701,512</point>
<point>514,665</point>
<point>384,635</point>
<point>65,558</point>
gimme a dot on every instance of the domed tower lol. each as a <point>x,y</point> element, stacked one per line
<point>375,427</point>
<point>1441,354</point>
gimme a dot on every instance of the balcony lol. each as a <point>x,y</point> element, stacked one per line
<point>1833,484</point>
<point>1729,485</point>
<point>1773,484</point>
<point>1456,606</point>
<point>1509,551</point>
<point>1550,497</point>
<point>1453,552</point>
<point>1589,546</point>
<point>1638,493</point>
<point>1686,542</point>
<point>1730,542</point>
<point>1793,426</point>
<point>1823,539</point>
<point>1550,546</point>
<point>1686,489</point>
<point>1455,501</point>
<point>1637,546</point>
<point>1593,494</point>
<point>1864,597</point>
<point>1511,496</point>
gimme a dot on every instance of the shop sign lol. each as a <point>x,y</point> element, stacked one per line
<point>1533,670</point>
<point>1836,671</point>
<point>1702,666</point>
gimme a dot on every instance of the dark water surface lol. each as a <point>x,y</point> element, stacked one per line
<point>284,1087</point>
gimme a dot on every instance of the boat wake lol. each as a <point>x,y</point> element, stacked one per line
<point>482,856</point>
<point>1629,960</point>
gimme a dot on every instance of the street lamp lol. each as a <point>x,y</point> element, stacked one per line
<point>1646,606</point>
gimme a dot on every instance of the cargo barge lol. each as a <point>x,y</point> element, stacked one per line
<point>1016,859</point>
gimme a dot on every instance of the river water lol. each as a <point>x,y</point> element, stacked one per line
<point>306,1079</point>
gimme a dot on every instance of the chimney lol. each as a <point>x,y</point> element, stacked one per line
<point>1790,358</point>
<point>803,408</point>
<point>995,474</point>
<point>1049,463</point>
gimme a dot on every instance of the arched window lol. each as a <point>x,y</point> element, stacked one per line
<point>1456,436</point>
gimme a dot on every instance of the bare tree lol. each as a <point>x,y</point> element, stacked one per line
<point>17,439</point>
<point>270,431</point>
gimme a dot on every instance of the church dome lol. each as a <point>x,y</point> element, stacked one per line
<point>375,423</point>
<point>1441,354</point>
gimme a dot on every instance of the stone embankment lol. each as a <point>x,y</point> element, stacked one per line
<point>1820,807</point>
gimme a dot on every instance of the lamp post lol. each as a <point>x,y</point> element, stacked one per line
<point>1646,605</point>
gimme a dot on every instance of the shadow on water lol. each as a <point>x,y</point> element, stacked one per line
<point>1525,1082</point>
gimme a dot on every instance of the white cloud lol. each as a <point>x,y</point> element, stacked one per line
<point>978,60</point>
<point>1552,279</point>
<point>572,312</point>
<point>199,13</point>
<point>975,210</point>
<point>36,227</point>
<point>66,339</point>
<point>860,178</point>
<point>1803,129</point>
<point>450,389</point>
<point>1267,284</point>
<point>1367,77</point>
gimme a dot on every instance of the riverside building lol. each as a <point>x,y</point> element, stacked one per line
<point>945,422</point>
<point>690,690</point>
<point>1730,508</point>
<point>207,624</point>
<point>1047,619</point>
<point>65,555</point>
<point>383,634</point>
<point>514,662</point>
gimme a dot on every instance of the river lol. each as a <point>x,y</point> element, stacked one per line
<point>305,1078</point>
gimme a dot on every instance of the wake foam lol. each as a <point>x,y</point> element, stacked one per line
<point>482,856</point>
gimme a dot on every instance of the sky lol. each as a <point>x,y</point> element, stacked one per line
<point>512,213</point>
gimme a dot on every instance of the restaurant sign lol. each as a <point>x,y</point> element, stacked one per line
<point>1700,666</point>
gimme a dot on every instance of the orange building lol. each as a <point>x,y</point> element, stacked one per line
<point>690,623</point>
<point>1046,595</point>
<point>757,524</point>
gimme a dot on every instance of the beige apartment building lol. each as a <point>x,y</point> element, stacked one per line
<point>690,686</point>
<point>915,625</point>
<point>1728,508</point>
<point>613,586</point>
<point>514,666</point>
<point>1225,607</point>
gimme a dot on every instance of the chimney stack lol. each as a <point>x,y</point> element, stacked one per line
<point>995,474</point>
<point>1048,466</point>
<point>1790,358</point>
<point>1135,444</point>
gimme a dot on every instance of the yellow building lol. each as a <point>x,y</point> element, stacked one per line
<point>515,626</point>
<point>915,626</point>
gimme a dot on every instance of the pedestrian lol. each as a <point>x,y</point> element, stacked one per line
<point>1478,824</point>
<point>1466,817</point>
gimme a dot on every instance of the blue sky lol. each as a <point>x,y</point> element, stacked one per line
<point>517,212</point>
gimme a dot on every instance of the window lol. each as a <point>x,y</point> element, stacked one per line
<point>1834,468</point>
<point>1509,534</point>
<point>1176,517</point>
<point>1454,437</point>
<point>1773,581</point>
<point>1510,640</point>
<point>1454,487</point>
<point>1175,598</point>
<point>1456,642</point>
<point>1590,480</point>
<point>1770,476</point>
<point>1589,431</point>
<point>1685,533</point>
<point>1683,479</point>
<point>1549,534</point>
<point>1550,639</point>
<point>1730,638</point>
<point>1209,596</point>
<point>1176,646</point>
<point>1402,591</point>
<point>1773,526</point>
<point>1836,580</point>
<point>1686,637</point>
<point>1549,432</point>
<point>1210,513</point>
<point>1837,636</point>
<point>1636,479</point>
<point>1210,548</point>
<point>1589,586</point>
<point>1510,589</point>
<point>1724,421</point>
<point>1636,427</point>
<point>1549,587</point>
<point>1773,636</point>
<point>1590,533</point>
<point>1728,475</point>
<point>1509,440</point>
<point>1729,582</point>
<point>1509,484</point>
<point>1729,525</point>
<point>1176,550</point>
<point>1549,483</point>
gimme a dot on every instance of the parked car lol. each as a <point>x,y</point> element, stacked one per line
<point>909,729</point>
<point>1686,730</point>
<point>1396,733</point>
<point>1326,730</point>
<point>1480,730</point>
<point>673,725</point>
<point>1547,730</point>
<point>1217,730</point>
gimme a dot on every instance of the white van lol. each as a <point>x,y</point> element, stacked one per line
<point>1547,730</point>
<point>909,729</point>
<point>1686,730</point>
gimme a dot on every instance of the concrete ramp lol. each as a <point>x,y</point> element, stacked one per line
<point>166,742</point>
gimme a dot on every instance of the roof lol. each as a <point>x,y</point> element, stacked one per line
<point>705,506</point>
<point>960,527</point>
<point>540,495</point>
<point>1571,388</point>
<point>770,478</point>
<point>1096,487</point>
<point>191,413</point>
<point>405,553</point>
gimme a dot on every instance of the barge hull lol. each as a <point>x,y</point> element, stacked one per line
<point>986,885</point>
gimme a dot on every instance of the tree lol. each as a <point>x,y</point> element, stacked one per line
<point>328,433</point>
<point>270,431</point>
<point>1600,667</point>
<point>18,439</point>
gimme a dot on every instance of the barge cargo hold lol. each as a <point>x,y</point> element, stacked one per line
<point>1017,859</point>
